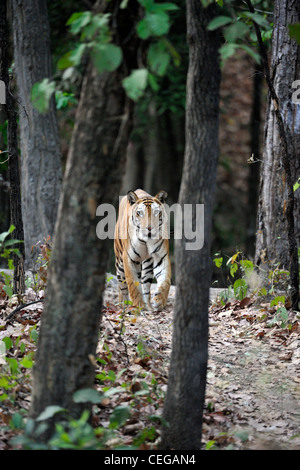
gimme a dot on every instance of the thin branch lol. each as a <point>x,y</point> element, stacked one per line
<point>21,308</point>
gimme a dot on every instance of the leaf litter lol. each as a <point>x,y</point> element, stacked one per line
<point>253,376</point>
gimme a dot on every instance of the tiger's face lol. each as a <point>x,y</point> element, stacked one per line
<point>148,215</point>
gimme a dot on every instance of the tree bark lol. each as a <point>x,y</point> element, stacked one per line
<point>96,159</point>
<point>272,240</point>
<point>39,138</point>
<point>13,162</point>
<point>187,376</point>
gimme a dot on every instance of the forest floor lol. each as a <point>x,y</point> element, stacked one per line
<point>253,378</point>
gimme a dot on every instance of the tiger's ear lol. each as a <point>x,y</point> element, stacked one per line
<point>132,197</point>
<point>161,196</point>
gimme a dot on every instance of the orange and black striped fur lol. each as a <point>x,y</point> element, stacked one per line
<point>142,249</point>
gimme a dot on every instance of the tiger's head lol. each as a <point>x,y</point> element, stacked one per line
<point>148,215</point>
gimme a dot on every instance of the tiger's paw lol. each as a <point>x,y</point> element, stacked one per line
<point>159,302</point>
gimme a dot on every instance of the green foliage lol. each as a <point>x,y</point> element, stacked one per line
<point>41,93</point>
<point>155,26</point>
<point>70,433</point>
<point>156,21</point>
<point>237,29</point>
<point>136,83</point>
<point>64,99</point>
<point>16,359</point>
<point>294,31</point>
<point>242,286</point>
<point>6,252</point>
<point>95,39</point>
<point>297,185</point>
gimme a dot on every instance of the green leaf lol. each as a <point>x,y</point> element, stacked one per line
<point>72,58</point>
<point>136,83</point>
<point>106,57</point>
<point>119,416</point>
<point>87,395</point>
<point>240,289</point>
<point>78,20</point>
<point>41,93</point>
<point>8,342</point>
<point>143,29</point>
<point>153,82</point>
<point>233,269</point>
<point>158,58</point>
<point>247,265</point>
<point>296,185</point>
<point>262,291</point>
<point>218,261</point>
<point>26,362</point>
<point>279,298</point>
<point>259,19</point>
<point>3,235</point>
<point>154,24</point>
<point>294,31</point>
<point>8,290</point>
<point>218,22</point>
<point>12,242</point>
<point>167,6</point>
<point>49,412</point>
<point>227,50</point>
<point>13,364</point>
<point>235,31</point>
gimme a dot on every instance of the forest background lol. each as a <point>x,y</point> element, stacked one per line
<point>156,149</point>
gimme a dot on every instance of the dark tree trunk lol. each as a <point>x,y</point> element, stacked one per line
<point>187,377</point>
<point>274,223</point>
<point>13,162</point>
<point>4,184</point>
<point>39,139</point>
<point>71,319</point>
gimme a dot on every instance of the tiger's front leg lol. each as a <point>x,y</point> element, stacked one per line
<point>162,273</point>
<point>147,276</point>
<point>122,284</point>
<point>132,270</point>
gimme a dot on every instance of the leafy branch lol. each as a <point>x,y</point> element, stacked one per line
<point>96,41</point>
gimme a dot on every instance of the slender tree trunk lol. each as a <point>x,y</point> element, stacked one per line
<point>187,377</point>
<point>253,178</point>
<point>39,138</point>
<point>13,162</point>
<point>275,213</point>
<point>96,159</point>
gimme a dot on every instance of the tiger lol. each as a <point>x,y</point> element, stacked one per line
<point>141,249</point>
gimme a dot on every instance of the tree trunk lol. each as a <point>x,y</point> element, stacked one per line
<point>71,319</point>
<point>39,138</point>
<point>13,162</point>
<point>187,377</point>
<point>272,237</point>
<point>4,184</point>
<point>255,144</point>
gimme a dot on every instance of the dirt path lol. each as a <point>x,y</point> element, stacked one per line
<point>253,380</point>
